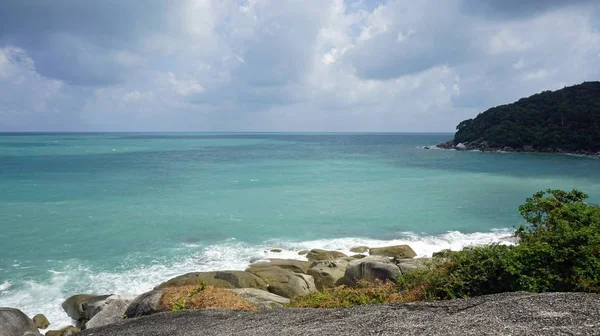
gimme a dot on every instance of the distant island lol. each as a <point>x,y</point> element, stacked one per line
<point>566,120</point>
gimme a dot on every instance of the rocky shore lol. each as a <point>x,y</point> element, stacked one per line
<point>485,147</point>
<point>250,302</point>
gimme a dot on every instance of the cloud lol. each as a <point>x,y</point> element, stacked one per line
<point>234,65</point>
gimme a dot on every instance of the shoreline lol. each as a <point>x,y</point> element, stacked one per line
<point>483,147</point>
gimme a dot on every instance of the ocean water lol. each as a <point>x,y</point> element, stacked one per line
<point>120,213</point>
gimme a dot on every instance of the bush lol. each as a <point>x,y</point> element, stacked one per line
<point>346,297</point>
<point>559,250</point>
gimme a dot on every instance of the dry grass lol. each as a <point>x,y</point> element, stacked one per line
<point>363,293</point>
<point>209,297</point>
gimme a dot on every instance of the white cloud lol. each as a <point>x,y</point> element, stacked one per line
<point>184,87</point>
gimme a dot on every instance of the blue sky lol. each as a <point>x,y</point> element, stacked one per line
<point>283,65</point>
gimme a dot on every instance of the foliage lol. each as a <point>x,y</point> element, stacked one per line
<point>568,119</point>
<point>558,250</point>
<point>179,305</point>
<point>202,296</point>
<point>346,297</point>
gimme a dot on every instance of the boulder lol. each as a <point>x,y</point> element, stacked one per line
<point>369,269</point>
<point>412,264</point>
<point>359,249</point>
<point>398,251</point>
<point>73,306</point>
<point>67,331</point>
<point>297,266</point>
<point>326,273</point>
<point>443,253</point>
<point>111,313</point>
<point>260,298</point>
<point>94,305</point>
<point>40,321</point>
<point>276,250</point>
<point>507,149</point>
<point>145,304</point>
<point>318,254</point>
<point>303,252</point>
<point>528,148</point>
<point>460,146</point>
<point>222,279</point>
<point>286,283</point>
<point>14,322</point>
<point>426,147</point>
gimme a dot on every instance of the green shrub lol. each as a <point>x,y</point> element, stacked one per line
<point>558,250</point>
<point>346,297</point>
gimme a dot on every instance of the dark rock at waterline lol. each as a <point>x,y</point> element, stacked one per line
<point>82,307</point>
<point>67,331</point>
<point>14,322</point>
<point>145,304</point>
<point>397,251</point>
<point>318,254</point>
<point>500,314</point>
<point>112,312</point>
<point>40,321</point>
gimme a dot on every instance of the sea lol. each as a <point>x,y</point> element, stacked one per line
<point>119,213</point>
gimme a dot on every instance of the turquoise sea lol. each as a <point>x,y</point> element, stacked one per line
<point>119,213</point>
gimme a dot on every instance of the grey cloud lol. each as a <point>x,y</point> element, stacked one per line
<point>516,9</point>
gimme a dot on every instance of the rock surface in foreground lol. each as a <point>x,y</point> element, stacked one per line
<point>14,322</point>
<point>501,314</point>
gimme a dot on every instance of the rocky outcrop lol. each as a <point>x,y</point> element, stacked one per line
<point>369,269</point>
<point>501,314</point>
<point>406,265</point>
<point>73,306</point>
<point>276,250</point>
<point>397,252</point>
<point>296,266</point>
<point>359,249</point>
<point>67,331</point>
<point>260,298</point>
<point>327,273</point>
<point>284,282</point>
<point>111,312</point>
<point>14,322</point>
<point>303,252</point>
<point>460,146</point>
<point>443,253</point>
<point>221,279</point>
<point>318,254</point>
<point>145,304</point>
<point>40,321</point>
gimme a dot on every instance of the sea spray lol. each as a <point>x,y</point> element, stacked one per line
<point>75,277</point>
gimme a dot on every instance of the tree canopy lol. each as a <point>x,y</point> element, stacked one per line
<point>567,119</point>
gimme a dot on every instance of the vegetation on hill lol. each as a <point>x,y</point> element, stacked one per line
<point>558,251</point>
<point>566,119</point>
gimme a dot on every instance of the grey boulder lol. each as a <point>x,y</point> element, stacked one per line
<point>369,269</point>
<point>260,298</point>
<point>326,273</point>
<point>14,322</point>
<point>145,304</point>
<point>112,312</point>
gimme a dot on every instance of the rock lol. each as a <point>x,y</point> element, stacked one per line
<point>326,273</point>
<point>398,251</point>
<point>303,252</point>
<point>443,253</point>
<point>460,146</point>
<point>32,333</point>
<point>426,147</point>
<point>40,321</point>
<point>412,264</point>
<point>94,305</point>
<point>369,269</point>
<point>446,145</point>
<point>297,266</point>
<point>73,306</point>
<point>222,279</point>
<point>276,250</point>
<point>14,322</point>
<point>507,149</point>
<point>359,249</point>
<point>318,254</point>
<point>145,304</point>
<point>260,298</point>
<point>528,148</point>
<point>111,313</point>
<point>484,145</point>
<point>68,331</point>
<point>286,283</point>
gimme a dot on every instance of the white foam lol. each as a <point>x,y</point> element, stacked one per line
<point>66,280</point>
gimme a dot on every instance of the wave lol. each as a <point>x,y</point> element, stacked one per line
<point>75,277</point>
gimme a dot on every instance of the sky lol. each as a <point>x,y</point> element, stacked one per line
<point>284,65</point>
